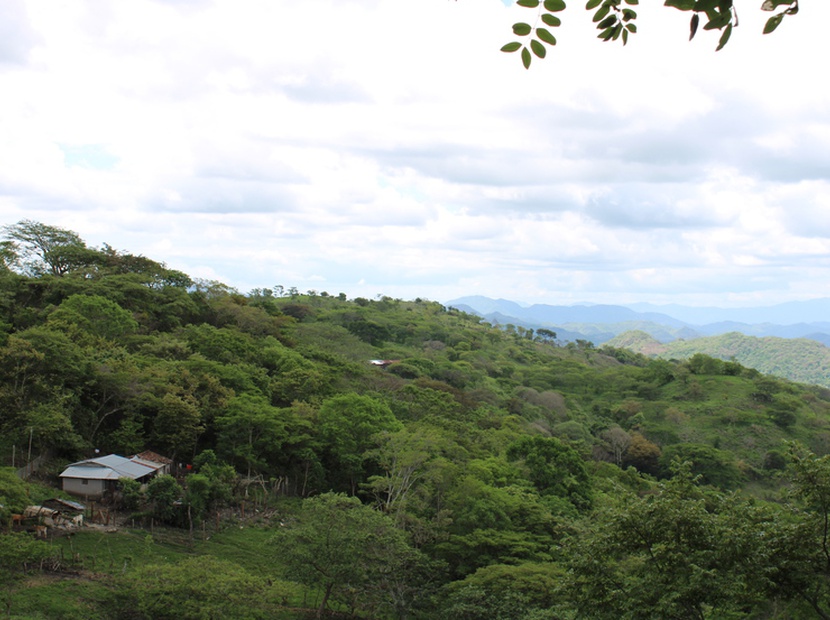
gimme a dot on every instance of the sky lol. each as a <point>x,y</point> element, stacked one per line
<point>382,147</point>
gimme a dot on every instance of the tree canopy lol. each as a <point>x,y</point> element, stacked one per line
<point>486,471</point>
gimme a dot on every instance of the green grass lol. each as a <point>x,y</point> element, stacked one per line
<point>246,546</point>
<point>107,552</point>
<point>45,597</point>
<point>101,558</point>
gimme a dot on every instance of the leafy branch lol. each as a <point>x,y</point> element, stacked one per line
<point>542,35</point>
<point>615,20</point>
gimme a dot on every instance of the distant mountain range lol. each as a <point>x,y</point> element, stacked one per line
<point>600,323</point>
<point>789,340</point>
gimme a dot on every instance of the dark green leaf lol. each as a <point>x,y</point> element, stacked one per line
<point>629,14</point>
<point>607,22</point>
<point>555,6</point>
<point>601,13</point>
<point>592,4</point>
<point>625,36</point>
<point>511,47</point>
<point>632,2</point>
<point>693,26</point>
<point>727,32</point>
<point>718,21</point>
<point>631,27</point>
<point>771,5</point>
<point>606,34</point>
<point>526,57</point>
<point>521,29</point>
<point>531,4</point>
<point>538,48</point>
<point>545,35</point>
<point>617,30</point>
<point>772,23</point>
<point>683,5</point>
<point>551,20</point>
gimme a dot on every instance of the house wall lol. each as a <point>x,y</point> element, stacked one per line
<point>84,488</point>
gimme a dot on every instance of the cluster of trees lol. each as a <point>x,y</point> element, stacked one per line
<point>484,473</point>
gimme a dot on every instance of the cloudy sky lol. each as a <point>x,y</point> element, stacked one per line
<point>388,147</point>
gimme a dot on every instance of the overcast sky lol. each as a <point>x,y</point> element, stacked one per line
<point>388,147</point>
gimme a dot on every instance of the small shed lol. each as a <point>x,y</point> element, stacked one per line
<point>66,506</point>
<point>160,463</point>
<point>95,477</point>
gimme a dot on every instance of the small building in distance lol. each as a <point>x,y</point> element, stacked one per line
<point>382,363</point>
<point>95,477</point>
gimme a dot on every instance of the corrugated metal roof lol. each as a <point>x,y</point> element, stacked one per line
<point>109,467</point>
<point>152,465</point>
<point>88,472</point>
<point>64,503</point>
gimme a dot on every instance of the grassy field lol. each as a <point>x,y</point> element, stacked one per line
<point>98,561</point>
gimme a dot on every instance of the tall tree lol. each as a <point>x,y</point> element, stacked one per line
<point>352,552</point>
<point>348,424</point>
<point>251,433</point>
<point>48,249</point>
<point>681,552</point>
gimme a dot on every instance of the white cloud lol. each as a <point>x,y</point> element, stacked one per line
<point>380,147</point>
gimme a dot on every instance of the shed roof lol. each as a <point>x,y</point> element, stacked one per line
<point>59,503</point>
<point>149,455</point>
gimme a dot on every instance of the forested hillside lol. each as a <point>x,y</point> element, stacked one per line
<point>413,461</point>
<point>797,359</point>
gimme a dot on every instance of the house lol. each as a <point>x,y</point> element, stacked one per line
<point>383,363</point>
<point>95,477</point>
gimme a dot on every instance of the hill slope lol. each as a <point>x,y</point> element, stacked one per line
<point>797,359</point>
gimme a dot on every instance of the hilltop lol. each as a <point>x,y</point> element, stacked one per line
<point>795,348</point>
<point>458,469</point>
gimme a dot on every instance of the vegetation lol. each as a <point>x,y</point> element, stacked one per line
<point>796,359</point>
<point>475,472</point>
<point>616,20</point>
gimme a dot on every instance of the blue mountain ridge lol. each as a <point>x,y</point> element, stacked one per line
<point>600,322</point>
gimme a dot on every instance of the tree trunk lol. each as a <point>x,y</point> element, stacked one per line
<point>325,600</point>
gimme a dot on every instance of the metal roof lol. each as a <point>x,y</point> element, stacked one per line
<point>64,503</point>
<point>110,467</point>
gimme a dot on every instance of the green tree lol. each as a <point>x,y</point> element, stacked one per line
<point>198,588</point>
<point>48,249</point>
<point>131,493</point>
<point>506,592</point>
<point>715,467</point>
<point>354,554</point>
<point>251,433</point>
<point>163,492</point>
<point>799,546</point>
<point>348,424</point>
<point>14,495</point>
<point>95,315</point>
<point>177,425</point>
<point>407,459</point>
<point>554,468</point>
<point>679,552</point>
<point>494,523</point>
<point>702,364</point>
